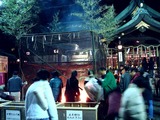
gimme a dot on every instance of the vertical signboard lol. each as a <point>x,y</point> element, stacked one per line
<point>3,64</point>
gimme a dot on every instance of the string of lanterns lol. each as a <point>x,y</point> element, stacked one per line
<point>48,39</point>
<point>139,50</point>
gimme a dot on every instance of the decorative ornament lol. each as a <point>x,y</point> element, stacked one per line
<point>78,35</point>
<point>141,50</point>
<point>51,40</point>
<point>74,35</point>
<point>149,51</point>
<point>59,36</point>
<point>32,38</point>
<point>44,38</point>
<point>27,43</point>
<point>35,45</point>
<point>69,36</point>
<point>137,50</point>
<point>157,52</point>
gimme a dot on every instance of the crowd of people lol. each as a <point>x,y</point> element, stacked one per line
<point>122,96</point>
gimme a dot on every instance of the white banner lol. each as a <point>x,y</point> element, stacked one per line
<point>13,115</point>
<point>74,115</point>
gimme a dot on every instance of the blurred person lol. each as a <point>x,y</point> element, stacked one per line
<point>56,86</point>
<point>39,102</point>
<point>144,64</point>
<point>147,94</point>
<point>132,105</point>
<point>108,83</point>
<point>93,89</point>
<point>25,87</point>
<point>125,78</point>
<point>134,74</point>
<point>14,86</point>
<point>151,66</point>
<point>72,92</point>
<point>90,76</point>
<point>114,99</point>
<point>116,76</point>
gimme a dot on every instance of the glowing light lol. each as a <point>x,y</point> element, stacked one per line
<point>18,60</point>
<point>119,47</point>
<point>83,96</point>
<point>141,4</point>
<point>76,47</point>
<point>25,61</point>
<point>59,37</point>
<point>28,53</point>
<point>32,38</point>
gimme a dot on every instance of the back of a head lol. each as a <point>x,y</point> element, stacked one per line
<point>15,73</point>
<point>102,69</point>
<point>74,73</point>
<point>141,70</point>
<point>140,82</point>
<point>126,68</point>
<point>43,74</point>
<point>144,59</point>
<point>90,73</point>
<point>134,70</point>
<point>55,74</point>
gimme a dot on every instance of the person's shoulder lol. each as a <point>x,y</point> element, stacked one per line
<point>131,90</point>
<point>52,80</point>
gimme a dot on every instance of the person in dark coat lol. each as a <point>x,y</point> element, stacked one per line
<point>134,74</point>
<point>72,92</point>
<point>125,79</point>
<point>14,86</point>
<point>151,66</point>
<point>56,86</point>
<point>147,94</point>
<point>145,64</point>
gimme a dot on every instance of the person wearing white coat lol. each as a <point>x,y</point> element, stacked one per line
<point>39,102</point>
<point>132,105</point>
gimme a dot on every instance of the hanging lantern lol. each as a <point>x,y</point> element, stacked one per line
<point>74,35</point>
<point>32,38</point>
<point>145,50</point>
<point>157,52</point>
<point>51,39</point>
<point>44,37</point>
<point>133,51</point>
<point>59,37</point>
<point>141,50</point>
<point>35,45</point>
<point>137,50</point>
<point>27,43</point>
<point>149,51</point>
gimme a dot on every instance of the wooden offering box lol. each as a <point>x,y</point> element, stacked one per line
<point>78,111</point>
